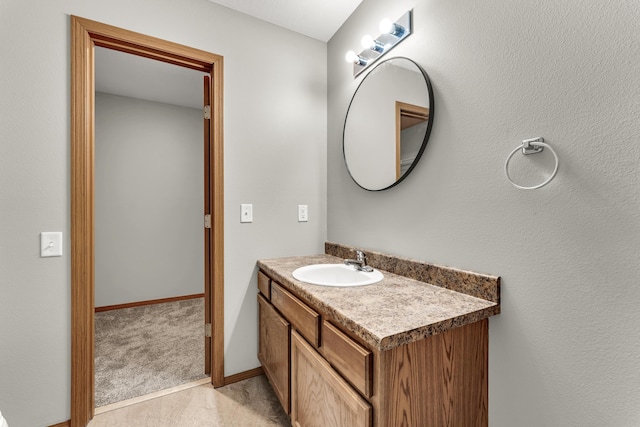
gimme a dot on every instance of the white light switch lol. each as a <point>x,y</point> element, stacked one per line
<point>246,213</point>
<point>51,244</point>
<point>303,213</point>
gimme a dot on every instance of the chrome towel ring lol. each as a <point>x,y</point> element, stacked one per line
<point>531,146</point>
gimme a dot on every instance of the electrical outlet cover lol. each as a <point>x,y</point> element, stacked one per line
<point>303,213</point>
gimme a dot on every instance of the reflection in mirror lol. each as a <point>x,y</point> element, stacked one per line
<point>388,124</point>
<point>411,124</point>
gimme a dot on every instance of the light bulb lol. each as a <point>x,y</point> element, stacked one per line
<point>367,42</point>
<point>386,26</point>
<point>351,56</point>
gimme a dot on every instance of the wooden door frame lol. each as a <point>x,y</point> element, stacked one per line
<point>85,35</point>
<point>404,109</point>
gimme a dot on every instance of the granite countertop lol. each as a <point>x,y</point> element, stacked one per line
<point>387,314</point>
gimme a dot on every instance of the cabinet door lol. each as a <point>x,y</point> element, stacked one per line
<point>319,396</point>
<point>273,350</point>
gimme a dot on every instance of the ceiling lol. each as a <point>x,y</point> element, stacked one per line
<point>318,19</point>
<point>134,76</point>
<point>137,77</point>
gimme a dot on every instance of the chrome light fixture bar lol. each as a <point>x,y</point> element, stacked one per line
<point>392,33</point>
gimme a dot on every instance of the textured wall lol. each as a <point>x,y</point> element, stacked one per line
<point>149,197</point>
<point>565,351</point>
<point>275,134</point>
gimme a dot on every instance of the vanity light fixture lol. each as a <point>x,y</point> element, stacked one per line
<point>392,34</point>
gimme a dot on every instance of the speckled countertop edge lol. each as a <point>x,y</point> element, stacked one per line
<point>396,311</point>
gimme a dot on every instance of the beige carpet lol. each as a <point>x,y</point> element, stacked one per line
<point>145,349</point>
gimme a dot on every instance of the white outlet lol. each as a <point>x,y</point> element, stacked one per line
<point>246,213</point>
<point>51,244</point>
<point>303,213</point>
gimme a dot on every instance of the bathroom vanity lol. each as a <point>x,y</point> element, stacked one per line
<point>410,350</point>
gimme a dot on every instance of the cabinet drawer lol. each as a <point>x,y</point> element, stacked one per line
<point>303,318</point>
<point>349,358</point>
<point>264,285</point>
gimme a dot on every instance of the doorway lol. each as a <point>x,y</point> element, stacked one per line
<point>149,252</point>
<point>85,36</point>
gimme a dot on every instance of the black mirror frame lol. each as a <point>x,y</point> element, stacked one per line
<point>427,132</point>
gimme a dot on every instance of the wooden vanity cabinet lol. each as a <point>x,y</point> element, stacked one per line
<point>336,380</point>
<point>274,347</point>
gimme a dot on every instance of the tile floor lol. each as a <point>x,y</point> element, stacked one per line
<point>247,403</point>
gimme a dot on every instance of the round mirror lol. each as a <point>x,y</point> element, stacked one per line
<point>388,124</point>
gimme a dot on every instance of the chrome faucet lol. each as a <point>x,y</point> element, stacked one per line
<point>360,263</point>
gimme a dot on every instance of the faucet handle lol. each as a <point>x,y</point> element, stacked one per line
<point>360,257</point>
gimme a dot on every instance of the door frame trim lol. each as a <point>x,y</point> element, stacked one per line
<point>85,35</point>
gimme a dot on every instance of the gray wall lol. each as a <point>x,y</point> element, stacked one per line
<point>565,351</point>
<point>275,132</point>
<point>149,200</point>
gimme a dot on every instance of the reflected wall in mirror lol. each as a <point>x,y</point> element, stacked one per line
<point>388,124</point>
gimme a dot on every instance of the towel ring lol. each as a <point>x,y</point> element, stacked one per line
<point>531,146</point>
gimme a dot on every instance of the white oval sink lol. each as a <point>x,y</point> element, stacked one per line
<point>336,275</point>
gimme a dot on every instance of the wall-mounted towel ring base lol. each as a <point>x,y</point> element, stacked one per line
<point>531,146</point>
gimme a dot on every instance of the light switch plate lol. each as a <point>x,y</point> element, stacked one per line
<point>51,243</point>
<point>303,213</point>
<point>246,212</point>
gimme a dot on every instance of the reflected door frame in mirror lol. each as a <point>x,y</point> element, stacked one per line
<point>390,114</point>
